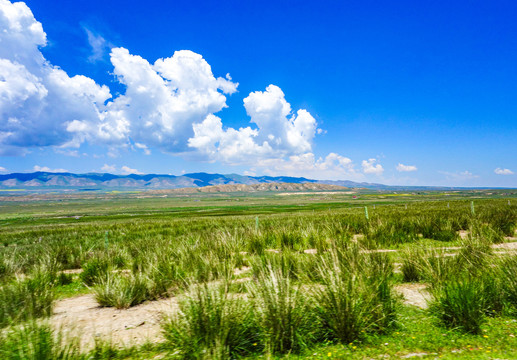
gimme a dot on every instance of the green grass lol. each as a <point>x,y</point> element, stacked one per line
<point>212,324</point>
<point>27,299</point>
<point>337,298</point>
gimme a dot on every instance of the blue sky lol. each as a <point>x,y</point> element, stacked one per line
<point>408,93</point>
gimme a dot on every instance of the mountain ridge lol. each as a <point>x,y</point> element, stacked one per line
<point>102,181</point>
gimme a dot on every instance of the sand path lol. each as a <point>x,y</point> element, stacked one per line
<point>82,316</point>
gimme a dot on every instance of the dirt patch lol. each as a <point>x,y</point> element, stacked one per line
<point>506,246</point>
<point>242,270</point>
<point>397,268</point>
<point>412,355</point>
<point>82,316</point>
<point>72,271</point>
<point>357,237</point>
<point>310,251</point>
<point>414,294</point>
<point>378,251</point>
<point>463,234</point>
<point>274,251</point>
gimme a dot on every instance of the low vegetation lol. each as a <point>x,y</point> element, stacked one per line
<point>267,280</point>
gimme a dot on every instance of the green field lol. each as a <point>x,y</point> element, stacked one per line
<point>261,275</point>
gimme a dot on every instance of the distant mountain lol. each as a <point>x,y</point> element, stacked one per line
<point>134,181</point>
<point>103,181</point>
<point>274,186</point>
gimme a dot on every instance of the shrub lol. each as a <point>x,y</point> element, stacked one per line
<point>508,273</point>
<point>4,269</point>
<point>441,229</point>
<point>391,234</point>
<point>475,255</point>
<point>123,292</point>
<point>460,304</point>
<point>355,298</point>
<point>64,279</point>
<point>35,341</point>
<point>27,299</point>
<point>94,271</point>
<point>487,234</point>
<point>436,265</point>
<point>211,324</point>
<point>502,219</point>
<point>286,316</point>
<point>410,267</point>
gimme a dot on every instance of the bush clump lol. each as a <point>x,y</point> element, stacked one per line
<point>26,299</point>
<point>212,324</point>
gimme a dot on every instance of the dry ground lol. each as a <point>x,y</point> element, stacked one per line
<point>140,324</point>
<point>134,326</point>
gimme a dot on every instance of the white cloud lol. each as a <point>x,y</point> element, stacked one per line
<point>38,100</point>
<point>169,105</point>
<point>280,133</point>
<point>69,152</point>
<point>468,175</point>
<point>21,35</point>
<point>406,168</point>
<point>162,101</point>
<point>332,167</point>
<point>40,105</point>
<point>277,125</point>
<point>228,146</point>
<point>459,176</point>
<point>47,169</point>
<point>126,170</point>
<point>98,44</point>
<point>369,167</point>
<point>143,147</point>
<point>109,168</point>
<point>2,169</point>
<point>500,171</point>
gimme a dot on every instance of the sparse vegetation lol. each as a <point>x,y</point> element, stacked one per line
<point>308,279</point>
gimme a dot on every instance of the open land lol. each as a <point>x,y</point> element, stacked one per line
<point>323,272</point>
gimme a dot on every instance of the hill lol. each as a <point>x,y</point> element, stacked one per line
<point>50,181</point>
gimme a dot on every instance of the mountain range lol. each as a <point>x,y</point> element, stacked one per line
<point>103,181</point>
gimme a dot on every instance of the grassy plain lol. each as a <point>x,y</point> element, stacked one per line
<point>266,274</point>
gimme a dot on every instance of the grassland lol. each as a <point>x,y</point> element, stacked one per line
<point>262,275</point>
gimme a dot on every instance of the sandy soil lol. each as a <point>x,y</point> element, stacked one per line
<point>310,251</point>
<point>82,316</point>
<point>414,294</point>
<point>508,245</point>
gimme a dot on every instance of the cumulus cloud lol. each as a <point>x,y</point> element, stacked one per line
<point>370,167</point>
<point>2,169</point>
<point>170,105</point>
<point>500,171</point>
<point>126,170</point>
<point>332,167</point>
<point>109,168</point>
<point>279,132</point>
<point>406,168</point>
<point>47,169</point>
<point>40,105</point>
<point>161,101</point>
<point>278,126</point>
<point>38,101</point>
